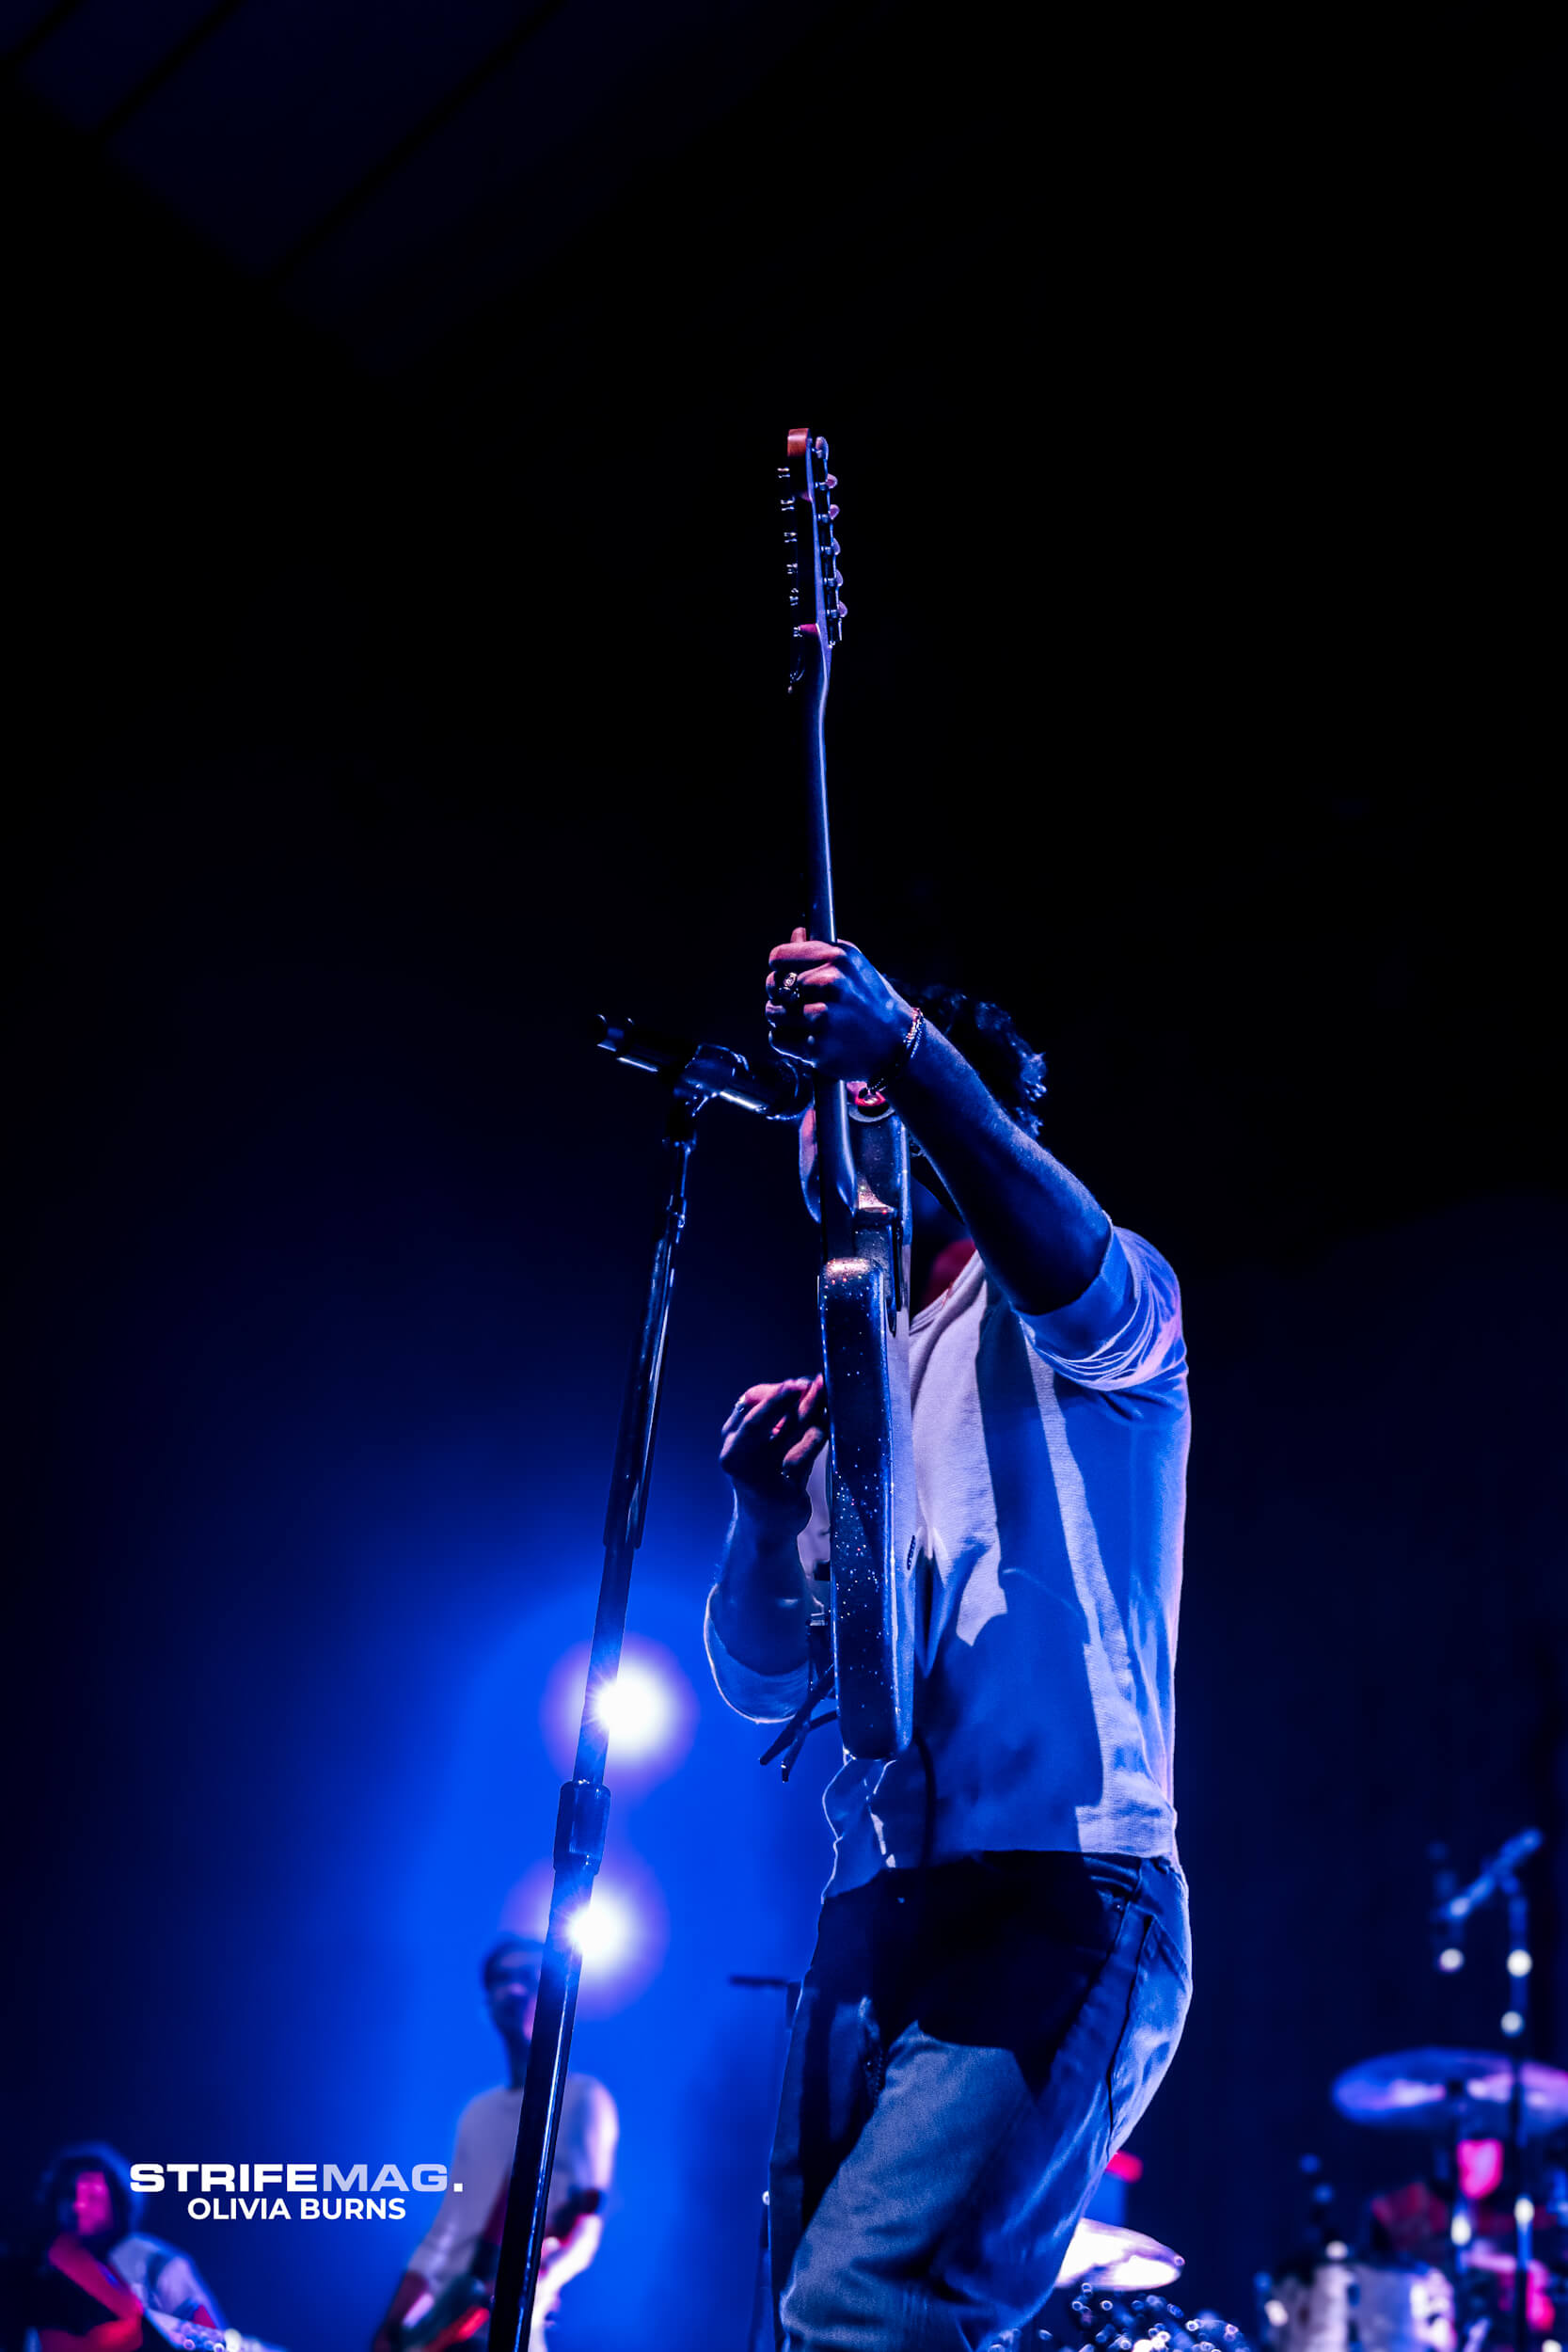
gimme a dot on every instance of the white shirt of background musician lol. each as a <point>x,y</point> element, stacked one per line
<point>162,2278</point>
<point>482,2161</point>
<point>1049,1467</point>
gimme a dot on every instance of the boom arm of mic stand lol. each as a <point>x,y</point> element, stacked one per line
<point>1492,1877</point>
<point>584,1809</point>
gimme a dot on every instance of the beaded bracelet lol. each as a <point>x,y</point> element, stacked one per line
<point>899,1057</point>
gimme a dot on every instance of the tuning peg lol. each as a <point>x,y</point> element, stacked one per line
<point>831,478</point>
<point>833,514</point>
<point>843,612</point>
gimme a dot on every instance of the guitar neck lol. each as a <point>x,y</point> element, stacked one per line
<point>813,690</point>
<point>835,1158</point>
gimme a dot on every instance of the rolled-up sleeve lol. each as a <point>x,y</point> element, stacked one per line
<point>1124,1330</point>
<point>762,1698</point>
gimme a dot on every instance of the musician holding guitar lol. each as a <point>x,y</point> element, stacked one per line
<point>443,2298</point>
<point>1002,1970</point>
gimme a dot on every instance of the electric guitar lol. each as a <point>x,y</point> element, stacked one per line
<point>461,2310</point>
<point>863,1174</point>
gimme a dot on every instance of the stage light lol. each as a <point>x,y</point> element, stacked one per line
<point>638,1709</point>
<point>1512,2022</point>
<point>1519,1963</point>
<point>621,1933</point>
<point>604,1932</point>
<point>649,1711</point>
<point>1275,2313</point>
<point>1450,1960</point>
<point>1460,2229</point>
<point>1524,2211</point>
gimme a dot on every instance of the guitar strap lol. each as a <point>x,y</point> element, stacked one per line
<point>923,1173</point>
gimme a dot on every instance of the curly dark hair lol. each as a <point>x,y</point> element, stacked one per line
<point>59,2180</point>
<point>989,1040</point>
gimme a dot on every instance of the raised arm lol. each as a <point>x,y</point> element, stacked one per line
<point>1041,1233</point>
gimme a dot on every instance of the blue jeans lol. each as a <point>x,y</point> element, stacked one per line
<point>973,2044</point>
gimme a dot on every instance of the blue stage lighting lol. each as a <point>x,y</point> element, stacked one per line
<point>605,1933</point>
<point>650,1711</point>
<point>623,1935</point>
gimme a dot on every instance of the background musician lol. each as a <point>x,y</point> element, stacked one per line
<point>1001,1971</point>
<point>462,2243</point>
<point>91,2264</point>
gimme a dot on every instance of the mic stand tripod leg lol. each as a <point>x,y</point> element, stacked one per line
<point>584,1809</point>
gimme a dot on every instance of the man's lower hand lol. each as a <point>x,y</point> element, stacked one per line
<point>772,1436</point>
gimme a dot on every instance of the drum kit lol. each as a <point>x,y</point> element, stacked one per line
<point>1441,2275</point>
<point>1469,2256</point>
<point>1447,2252</point>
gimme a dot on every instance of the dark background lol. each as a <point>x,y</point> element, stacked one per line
<point>394,665</point>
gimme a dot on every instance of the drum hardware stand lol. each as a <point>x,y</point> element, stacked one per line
<point>1498,1877</point>
<point>695,1076</point>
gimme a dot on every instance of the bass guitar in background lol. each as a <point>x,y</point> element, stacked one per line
<point>463,2308</point>
<point>464,2303</point>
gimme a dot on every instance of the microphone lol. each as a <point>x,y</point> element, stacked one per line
<point>780,1089</point>
<point>1490,1877</point>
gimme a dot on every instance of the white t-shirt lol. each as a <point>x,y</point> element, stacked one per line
<point>1049,1469</point>
<point>161,2278</point>
<point>482,2161</point>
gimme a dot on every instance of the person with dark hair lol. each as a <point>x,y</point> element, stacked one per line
<point>452,2271</point>
<point>1002,1969</point>
<point>92,2265</point>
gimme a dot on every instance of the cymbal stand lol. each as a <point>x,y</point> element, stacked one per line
<point>1515,2025</point>
<point>1499,1876</point>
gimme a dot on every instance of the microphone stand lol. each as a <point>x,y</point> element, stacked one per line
<point>583,1813</point>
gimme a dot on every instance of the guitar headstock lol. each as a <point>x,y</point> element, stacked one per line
<point>812,577</point>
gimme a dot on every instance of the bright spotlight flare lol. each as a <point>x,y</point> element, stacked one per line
<point>636,1709</point>
<point>604,1930</point>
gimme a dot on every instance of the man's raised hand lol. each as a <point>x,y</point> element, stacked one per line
<point>828,1006</point>
<point>770,1440</point>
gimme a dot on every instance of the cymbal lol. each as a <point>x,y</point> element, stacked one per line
<point>1443,2090</point>
<point>1100,2255</point>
